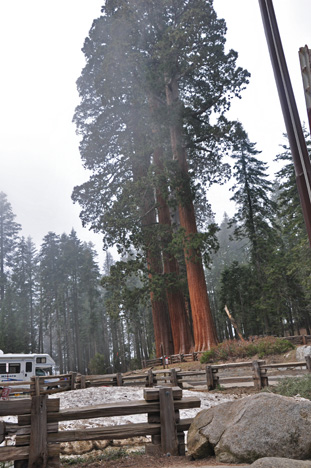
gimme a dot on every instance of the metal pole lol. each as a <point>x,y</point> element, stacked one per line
<point>290,112</point>
<point>305,63</point>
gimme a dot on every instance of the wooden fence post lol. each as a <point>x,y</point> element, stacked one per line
<point>256,376</point>
<point>73,380</point>
<point>150,378</point>
<point>35,386</point>
<point>38,449</point>
<point>209,378</point>
<point>169,440</point>
<point>173,378</point>
<point>2,431</point>
<point>119,380</point>
<point>82,380</point>
<point>308,362</point>
<point>260,380</point>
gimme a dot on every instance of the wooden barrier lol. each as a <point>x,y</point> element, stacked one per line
<point>213,376</point>
<point>36,452</point>
<point>38,438</point>
<point>47,385</point>
<point>175,358</point>
<point>43,385</point>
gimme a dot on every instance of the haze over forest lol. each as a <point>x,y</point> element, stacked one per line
<point>156,133</point>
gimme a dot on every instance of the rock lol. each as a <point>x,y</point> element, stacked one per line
<point>262,425</point>
<point>280,463</point>
<point>82,447</point>
<point>302,352</point>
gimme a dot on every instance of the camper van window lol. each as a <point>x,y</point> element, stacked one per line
<point>14,368</point>
<point>40,372</point>
<point>42,360</point>
<point>2,368</point>
<point>28,366</point>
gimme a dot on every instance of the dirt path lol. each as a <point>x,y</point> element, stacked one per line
<point>145,461</point>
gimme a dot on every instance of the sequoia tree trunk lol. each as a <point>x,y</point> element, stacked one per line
<point>160,317</point>
<point>182,338</point>
<point>203,324</point>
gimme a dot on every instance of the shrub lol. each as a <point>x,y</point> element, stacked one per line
<point>243,349</point>
<point>293,386</point>
<point>270,345</point>
<point>97,364</point>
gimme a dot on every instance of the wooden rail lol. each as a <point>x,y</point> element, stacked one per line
<point>175,358</point>
<point>257,372</point>
<point>43,385</point>
<point>38,436</point>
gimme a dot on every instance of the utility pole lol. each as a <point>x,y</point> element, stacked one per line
<point>305,64</point>
<point>290,113</point>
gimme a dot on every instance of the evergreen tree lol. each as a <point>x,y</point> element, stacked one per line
<point>296,251</point>
<point>25,286</point>
<point>51,280</point>
<point>238,291</point>
<point>230,250</point>
<point>255,209</point>
<point>9,230</point>
<point>155,80</point>
<point>255,217</point>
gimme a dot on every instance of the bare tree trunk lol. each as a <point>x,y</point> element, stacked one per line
<point>234,324</point>
<point>203,324</point>
<point>75,307</point>
<point>40,337</point>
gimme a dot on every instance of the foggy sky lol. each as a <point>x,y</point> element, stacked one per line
<point>41,59</point>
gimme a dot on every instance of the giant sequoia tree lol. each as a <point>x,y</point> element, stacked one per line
<point>154,93</point>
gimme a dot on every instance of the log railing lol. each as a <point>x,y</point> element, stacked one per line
<point>257,372</point>
<point>38,436</point>
<point>43,385</point>
<point>175,358</point>
<point>212,376</point>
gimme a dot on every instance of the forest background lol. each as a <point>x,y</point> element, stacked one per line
<point>52,300</point>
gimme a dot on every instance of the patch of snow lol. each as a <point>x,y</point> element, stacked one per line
<point>107,395</point>
<point>104,395</point>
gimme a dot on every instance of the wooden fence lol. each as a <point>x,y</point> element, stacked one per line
<point>175,358</point>
<point>38,436</point>
<point>257,373</point>
<point>42,385</point>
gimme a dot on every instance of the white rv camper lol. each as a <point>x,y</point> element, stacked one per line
<point>21,367</point>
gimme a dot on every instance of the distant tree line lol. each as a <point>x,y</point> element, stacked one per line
<point>56,300</point>
<point>154,97</point>
<point>51,301</point>
<point>262,269</point>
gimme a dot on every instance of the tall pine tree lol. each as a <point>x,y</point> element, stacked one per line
<point>156,78</point>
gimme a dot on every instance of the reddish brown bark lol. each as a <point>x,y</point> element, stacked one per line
<point>160,316</point>
<point>182,338</point>
<point>161,323</point>
<point>203,324</point>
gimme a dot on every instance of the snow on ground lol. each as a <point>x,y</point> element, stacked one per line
<point>103,395</point>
